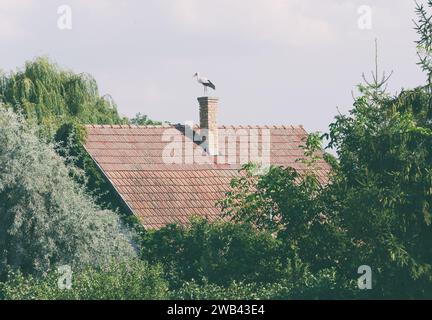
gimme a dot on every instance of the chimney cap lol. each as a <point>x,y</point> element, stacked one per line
<point>207,98</point>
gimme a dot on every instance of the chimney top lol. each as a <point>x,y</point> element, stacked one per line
<point>208,98</point>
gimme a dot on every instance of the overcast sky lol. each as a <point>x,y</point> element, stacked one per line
<point>273,61</point>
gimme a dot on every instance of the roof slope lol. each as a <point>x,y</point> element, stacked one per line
<point>163,187</point>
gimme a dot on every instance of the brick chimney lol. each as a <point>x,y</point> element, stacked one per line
<point>208,122</point>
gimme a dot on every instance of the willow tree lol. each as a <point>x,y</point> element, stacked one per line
<point>50,96</point>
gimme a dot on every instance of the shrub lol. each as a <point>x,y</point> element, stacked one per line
<point>221,252</point>
<point>322,285</point>
<point>134,280</point>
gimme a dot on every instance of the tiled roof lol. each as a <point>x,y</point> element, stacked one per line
<point>160,191</point>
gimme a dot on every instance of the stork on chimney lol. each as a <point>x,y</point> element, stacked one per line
<point>205,82</point>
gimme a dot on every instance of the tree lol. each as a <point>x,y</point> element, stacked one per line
<point>383,185</point>
<point>46,219</point>
<point>50,96</point>
<point>293,206</point>
<point>142,120</point>
<point>376,207</point>
<point>218,252</point>
<point>60,103</point>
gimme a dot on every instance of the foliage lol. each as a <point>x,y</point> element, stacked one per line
<point>142,120</point>
<point>293,206</point>
<point>424,43</point>
<point>134,280</point>
<point>322,285</point>
<point>61,102</point>
<point>219,252</point>
<point>225,260</point>
<point>235,291</point>
<point>45,217</point>
<point>70,139</point>
<point>383,188</point>
<point>376,208</point>
<point>50,96</point>
<point>138,280</point>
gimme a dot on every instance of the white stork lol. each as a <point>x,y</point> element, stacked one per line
<point>205,82</point>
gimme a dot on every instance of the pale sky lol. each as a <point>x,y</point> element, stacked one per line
<point>273,61</point>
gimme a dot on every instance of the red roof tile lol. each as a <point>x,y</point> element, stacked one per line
<point>132,157</point>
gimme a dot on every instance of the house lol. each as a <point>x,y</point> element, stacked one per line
<point>168,173</point>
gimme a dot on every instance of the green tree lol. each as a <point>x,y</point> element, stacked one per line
<point>216,252</point>
<point>46,218</point>
<point>382,189</point>
<point>292,205</point>
<point>60,103</point>
<point>142,120</point>
<point>376,207</point>
<point>50,96</point>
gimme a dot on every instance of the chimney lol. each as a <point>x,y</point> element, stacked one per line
<point>208,122</point>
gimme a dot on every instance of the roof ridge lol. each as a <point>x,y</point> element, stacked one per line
<point>127,126</point>
<point>174,125</point>
<point>262,126</point>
